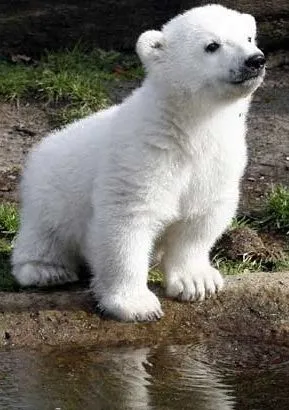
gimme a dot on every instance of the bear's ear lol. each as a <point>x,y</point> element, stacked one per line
<point>150,46</point>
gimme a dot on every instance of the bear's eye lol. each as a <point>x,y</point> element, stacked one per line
<point>250,39</point>
<point>212,47</point>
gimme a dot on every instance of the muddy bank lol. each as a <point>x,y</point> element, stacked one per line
<point>254,306</point>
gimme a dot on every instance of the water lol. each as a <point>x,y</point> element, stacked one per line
<point>161,377</point>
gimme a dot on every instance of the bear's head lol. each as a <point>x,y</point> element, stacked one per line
<point>208,50</point>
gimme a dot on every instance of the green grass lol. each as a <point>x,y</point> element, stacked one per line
<point>156,276</point>
<point>229,267</point>
<point>240,222</point>
<point>9,219</point>
<point>276,211</point>
<point>248,264</point>
<point>16,81</point>
<point>71,113</point>
<point>9,223</point>
<point>75,81</point>
<point>274,215</point>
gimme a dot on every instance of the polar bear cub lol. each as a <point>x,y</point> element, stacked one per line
<point>162,167</point>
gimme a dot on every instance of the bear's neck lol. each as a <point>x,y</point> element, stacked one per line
<point>188,110</point>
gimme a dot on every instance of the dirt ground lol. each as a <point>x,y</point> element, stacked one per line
<point>252,307</point>
<point>268,136</point>
<point>20,128</point>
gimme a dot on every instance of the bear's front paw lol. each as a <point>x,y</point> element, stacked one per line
<point>131,307</point>
<point>194,285</point>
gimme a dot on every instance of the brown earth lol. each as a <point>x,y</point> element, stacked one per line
<point>252,307</point>
<point>268,135</point>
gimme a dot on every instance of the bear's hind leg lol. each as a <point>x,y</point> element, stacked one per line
<point>42,259</point>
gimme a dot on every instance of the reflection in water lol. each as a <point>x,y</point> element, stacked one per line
<point>173,377</point>
<point>183,380</point>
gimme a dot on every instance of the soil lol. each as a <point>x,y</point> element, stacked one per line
<point>268,137</point>
<point>20,128</point>
<point>252,307</point>
<point>240,242</point>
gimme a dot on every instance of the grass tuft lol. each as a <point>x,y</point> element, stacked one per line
<point>16,81</point>
<point>250,264</point>
<point>75,81</point>
<point>71,113</point>
<point>240,222</point>
<point>156,276</point>
<point>9,223</point>
<point>9,219</point>
<point>276,213</point>
<point>229,267</point>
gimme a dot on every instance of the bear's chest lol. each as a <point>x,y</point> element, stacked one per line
<point>211,173</point>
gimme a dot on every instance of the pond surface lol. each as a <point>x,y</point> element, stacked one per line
<point>161,377</point>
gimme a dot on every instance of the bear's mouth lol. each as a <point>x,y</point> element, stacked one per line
<point>245,79</point>
<point>246,76</point>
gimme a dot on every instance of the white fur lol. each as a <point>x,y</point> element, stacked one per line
<point>164,165</point>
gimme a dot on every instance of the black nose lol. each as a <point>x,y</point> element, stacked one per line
<point>256,61</point>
